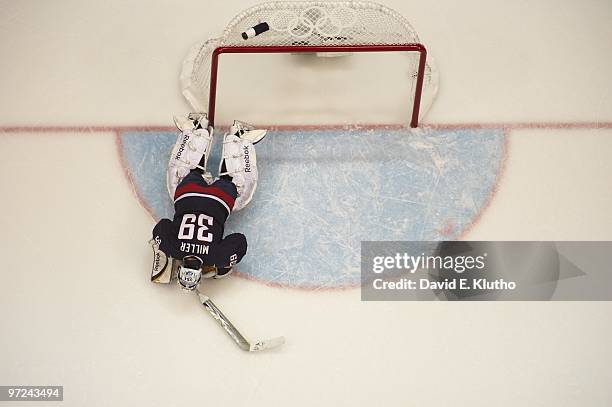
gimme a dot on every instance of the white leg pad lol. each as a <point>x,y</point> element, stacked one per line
<point>186,155</point>
<point>241,164</point>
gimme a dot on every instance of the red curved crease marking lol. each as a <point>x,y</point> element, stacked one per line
<point>501,170</point>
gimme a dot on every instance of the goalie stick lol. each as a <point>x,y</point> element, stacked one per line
<point>240,340</point>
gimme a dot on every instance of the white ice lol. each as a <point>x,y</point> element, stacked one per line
<point>76,306</point>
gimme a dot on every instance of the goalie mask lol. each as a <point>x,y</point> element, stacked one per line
<point>190,273</point>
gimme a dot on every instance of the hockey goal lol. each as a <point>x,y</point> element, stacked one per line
<point>317,29</point>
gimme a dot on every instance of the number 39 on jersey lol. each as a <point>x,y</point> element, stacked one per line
<point>197,225</point>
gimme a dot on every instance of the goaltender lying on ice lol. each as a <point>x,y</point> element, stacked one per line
<point>191,246</point>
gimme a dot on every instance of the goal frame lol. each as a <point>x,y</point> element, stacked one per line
<point>303,49</point>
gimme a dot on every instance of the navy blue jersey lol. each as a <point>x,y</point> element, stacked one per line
<point>198,224</point>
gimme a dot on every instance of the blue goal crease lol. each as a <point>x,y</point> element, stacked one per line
<point>322,192</point>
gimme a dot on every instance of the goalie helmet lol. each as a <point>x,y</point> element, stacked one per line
<point>190,273</point>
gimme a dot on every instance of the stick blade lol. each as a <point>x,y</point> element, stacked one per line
<point>267,344</point>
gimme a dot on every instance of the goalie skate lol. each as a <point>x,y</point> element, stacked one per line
<point>238,160</point>
<point>191,122</point>
<point>247,132</point>
<point>190,151</point>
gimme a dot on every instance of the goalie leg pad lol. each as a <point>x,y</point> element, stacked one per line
<point>189,152</point>
<point>240,164</point>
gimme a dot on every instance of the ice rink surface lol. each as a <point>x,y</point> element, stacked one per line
<point>516,147</point>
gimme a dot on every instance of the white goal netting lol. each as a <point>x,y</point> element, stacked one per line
<point>306,23</point>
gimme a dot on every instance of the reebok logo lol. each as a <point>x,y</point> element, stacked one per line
<point>157,262</point>
<point>181,148</point>
<point>247,159</point>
